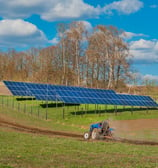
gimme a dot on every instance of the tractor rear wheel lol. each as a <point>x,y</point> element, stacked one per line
<point>95,134</point>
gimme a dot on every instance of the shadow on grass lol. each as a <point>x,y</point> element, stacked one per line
<point>82,112</point>
<point>52,105</point>
<point>25,98</point>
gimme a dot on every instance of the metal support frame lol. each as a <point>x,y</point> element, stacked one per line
<point>63,110</point>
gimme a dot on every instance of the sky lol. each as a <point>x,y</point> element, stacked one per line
<point>25,24</point>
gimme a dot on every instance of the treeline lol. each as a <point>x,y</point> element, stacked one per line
<point>96,58</point>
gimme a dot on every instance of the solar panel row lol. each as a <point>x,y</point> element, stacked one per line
<point>77,95</point>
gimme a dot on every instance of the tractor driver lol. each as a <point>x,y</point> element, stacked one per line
<point>105,127</point>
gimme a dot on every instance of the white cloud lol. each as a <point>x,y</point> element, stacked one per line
<point>16,28</point>
<point>87,25</point>
<point>150,77</point>
<point>130,35</point>
<point>142,44</point>
<point>65,9</point>
<point>140,78</point>
<point>55,40</point>
<point>20,33</point>
<point>48,10</point>
<point>20,8</point>
<point>156,47</point>
<point>144,50</point>
<point>154,6</point>
<point>124,6</point>
<point>52,10</point>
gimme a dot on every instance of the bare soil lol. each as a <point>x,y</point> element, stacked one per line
<point>4,90</point>
<point>40,131</point>
<point>131,127</point>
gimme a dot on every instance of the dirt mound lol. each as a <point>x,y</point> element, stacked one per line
<point>27,129</point>
<point>4,90</point>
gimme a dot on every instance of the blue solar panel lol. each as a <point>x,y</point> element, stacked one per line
<point>135,100</point>
<point>42,91</point>
<point>77,95</point>
<point>18,88</point>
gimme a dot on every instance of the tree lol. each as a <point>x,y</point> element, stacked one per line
<point>108,55</point>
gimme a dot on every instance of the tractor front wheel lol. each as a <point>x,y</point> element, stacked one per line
<point>86,135</point>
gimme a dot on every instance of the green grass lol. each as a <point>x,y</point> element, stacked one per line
<point>26,150</point>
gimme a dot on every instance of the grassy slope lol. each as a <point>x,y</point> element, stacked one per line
<point>82,117</point>
<point>77,123</point>
<point>25,150</point>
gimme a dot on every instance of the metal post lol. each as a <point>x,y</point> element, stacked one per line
<point>105,107</point>
<point>85,109</point>
<point>46,109</point>
<point>18,106</point>
<point>13,102</point>
<point>56,102</point>
<point>75,110</point>
<point>147,110</point>
<point>99,111</point>
<point>24,108</point>
<point>95,108</point>
<point>31,110</point>
<point>7,101</point>
<point>131,110</point>
<point>82,111</point>
<point>124,107</point>
<point>47,101</point>
<point>31,105</point>
<point>63,111</point>
<point>2,101</point>
<point>38,111</point>
<point>115,109</point>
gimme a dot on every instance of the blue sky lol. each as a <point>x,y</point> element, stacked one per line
<point>25,24</point>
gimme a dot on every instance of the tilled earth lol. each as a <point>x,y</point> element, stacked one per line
<point>40,131</point>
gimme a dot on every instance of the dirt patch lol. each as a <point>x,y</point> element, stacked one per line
<point>4,90</point>
<point>135,128</point>
<point>135,125</point>
<point>27,129</point>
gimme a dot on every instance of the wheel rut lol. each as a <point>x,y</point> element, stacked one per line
<point>40,131</point>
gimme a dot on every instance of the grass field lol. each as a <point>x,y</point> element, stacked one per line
<point>23,150</point>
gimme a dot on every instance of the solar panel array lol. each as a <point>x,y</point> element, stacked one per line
<point>77,95</point>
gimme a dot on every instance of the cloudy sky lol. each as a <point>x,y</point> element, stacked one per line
<point>25,23</point>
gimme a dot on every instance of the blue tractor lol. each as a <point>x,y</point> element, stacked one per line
<point>100,130</point>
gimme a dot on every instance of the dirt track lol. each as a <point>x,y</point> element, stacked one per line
<point>26,129</point>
